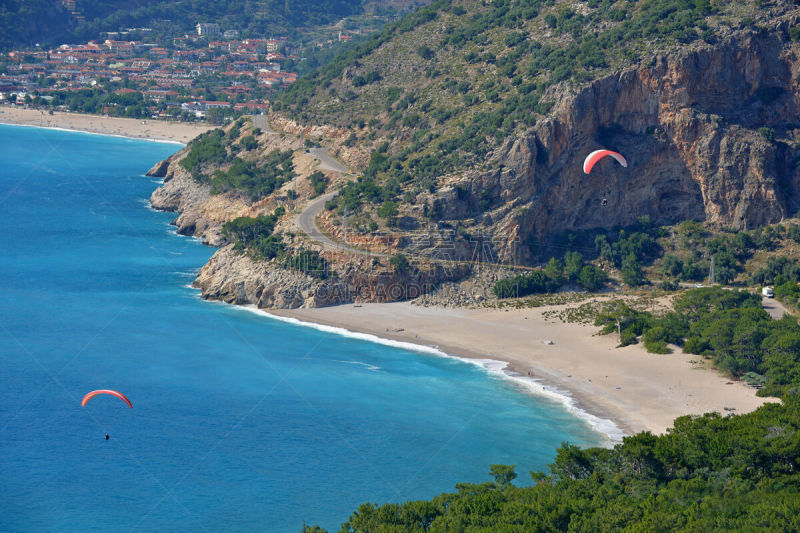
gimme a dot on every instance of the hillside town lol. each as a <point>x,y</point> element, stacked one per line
<point>211,74</point>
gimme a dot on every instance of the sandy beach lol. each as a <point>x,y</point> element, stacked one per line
<point>634,389</point>
<point>160,130</point>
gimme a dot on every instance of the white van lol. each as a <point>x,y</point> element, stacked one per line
<point>767,291</point>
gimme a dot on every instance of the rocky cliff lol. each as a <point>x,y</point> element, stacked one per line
<point>236,278</point>
<point>710,134</point>
<point>200,213</point>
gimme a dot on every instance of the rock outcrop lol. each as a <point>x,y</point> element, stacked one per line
<point>235,278</point>
<point>200,214</point>
<point>160,169</point>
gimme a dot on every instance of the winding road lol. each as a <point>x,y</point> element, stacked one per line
<point>260,121</point>
<point>326,161</point>
<point>306,221</point>
<point>775,309</point>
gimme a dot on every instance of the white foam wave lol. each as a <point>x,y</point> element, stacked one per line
<point>495,367</point>
<point>147,205</point>
<point>602,425</point>
<point>173,230</point>
<point>352,334</point>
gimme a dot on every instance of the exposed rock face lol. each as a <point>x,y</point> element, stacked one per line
<point>201,214</point>
<point>688,124</point>
<point>235,278</point>
<point>159,170</point>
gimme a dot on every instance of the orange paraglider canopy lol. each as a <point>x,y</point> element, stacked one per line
<point>104,391</point>
<point>597,155</point>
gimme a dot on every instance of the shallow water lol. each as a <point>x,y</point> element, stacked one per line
<point>239,421</point>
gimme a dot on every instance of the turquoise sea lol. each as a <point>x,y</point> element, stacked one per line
<point>240,422</point>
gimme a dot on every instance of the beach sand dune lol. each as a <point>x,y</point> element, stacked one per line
<point>181,132</point>
<point>635,389</point>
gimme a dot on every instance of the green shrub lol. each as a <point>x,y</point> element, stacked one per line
<point>388,210</point>
<point>249,143</point>
<point>695,345</point>
<point>256,181</point>
<point>254,235</point>
<point>628,337</point>
<point>592,278</point>
<point>309,262</point>
<point>425,52</point>
<point>655,340</point>
<point>668,285</point>
<point>767,133</point>
<point>319,182</point>
<point>399,262</point>
<point>632,273</point>
<point>207,148</point>
<point>535,282</point>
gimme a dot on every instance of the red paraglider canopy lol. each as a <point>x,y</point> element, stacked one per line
<point>597,155</point>
<point>103,391</point>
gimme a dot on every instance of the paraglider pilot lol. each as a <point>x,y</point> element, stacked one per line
<point>106,391</point>
<point>596,156</point>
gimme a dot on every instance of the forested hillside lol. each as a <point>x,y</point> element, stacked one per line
<point>469,73</point>
<point>709,473</point>
<point>255,18</point>
<point>24,22</point>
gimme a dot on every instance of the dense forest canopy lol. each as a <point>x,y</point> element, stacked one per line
<point>26,22</point>
<point>254,18</point>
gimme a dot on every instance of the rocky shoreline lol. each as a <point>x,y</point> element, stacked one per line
<point>234,277</point>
